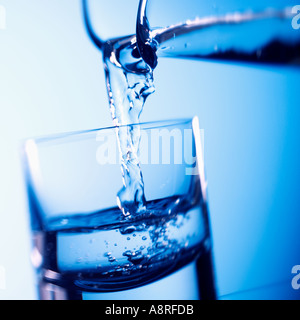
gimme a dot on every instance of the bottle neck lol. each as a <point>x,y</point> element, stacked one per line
<point>262,37</point>
<point>146,45</point>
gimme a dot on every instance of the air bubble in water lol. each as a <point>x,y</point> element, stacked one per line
<point>128,230</point>
<point>107,254</point>
<point>127,253</point>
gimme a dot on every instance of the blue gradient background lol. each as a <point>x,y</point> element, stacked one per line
<point>52,81</point>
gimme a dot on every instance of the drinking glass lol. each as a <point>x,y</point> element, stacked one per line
<point>84,247</point>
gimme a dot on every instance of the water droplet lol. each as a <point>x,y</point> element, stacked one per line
<point>161,245</point>
<point>144,238</point>
<point>63,222</point>
<point>166,238</point>
<point>136,258</point>
<point>128,230</point>
<point>142,226</point>
<point>127,253</point>
<point>107,254</point>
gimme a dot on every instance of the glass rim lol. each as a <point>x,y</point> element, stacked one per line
<point>148,125</point>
